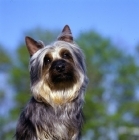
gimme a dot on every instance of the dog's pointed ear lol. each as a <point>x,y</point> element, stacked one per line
<point>32,45</point>
<point>66,34</point>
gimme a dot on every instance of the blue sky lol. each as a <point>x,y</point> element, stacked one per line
<point>116,19</point>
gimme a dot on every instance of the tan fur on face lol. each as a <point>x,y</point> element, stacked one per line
<point>42,92</point>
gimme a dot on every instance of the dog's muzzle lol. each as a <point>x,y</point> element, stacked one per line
<point>62,71</point>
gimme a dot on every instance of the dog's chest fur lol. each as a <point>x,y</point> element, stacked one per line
<point>53,124</point>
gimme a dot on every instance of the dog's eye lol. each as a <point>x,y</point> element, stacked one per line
<point>47,60</point>
<point>66,55</point>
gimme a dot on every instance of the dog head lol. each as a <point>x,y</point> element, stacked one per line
<point>57,70</point>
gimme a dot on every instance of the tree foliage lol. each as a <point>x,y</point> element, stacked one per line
<point>111,101</point>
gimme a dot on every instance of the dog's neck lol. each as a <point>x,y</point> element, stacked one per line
<point>63,119</point>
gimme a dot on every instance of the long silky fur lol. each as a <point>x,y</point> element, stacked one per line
<point>44,119</point>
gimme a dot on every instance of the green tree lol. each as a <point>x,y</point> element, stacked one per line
<point>5,66</point>
<point>111,102</point>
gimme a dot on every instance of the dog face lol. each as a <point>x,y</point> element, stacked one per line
<point>57,70</point>
<point>60,67</point>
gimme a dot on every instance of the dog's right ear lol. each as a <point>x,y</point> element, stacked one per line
<point>66,35</point>
<point>32,45</point>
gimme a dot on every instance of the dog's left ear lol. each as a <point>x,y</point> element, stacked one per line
<point>32,45</point>
<point>66,35</point>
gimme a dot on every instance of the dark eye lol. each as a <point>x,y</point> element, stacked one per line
<point>47,60</point>
<point>66,55</point>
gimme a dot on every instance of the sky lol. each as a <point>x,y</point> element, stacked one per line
<point>115,19</point>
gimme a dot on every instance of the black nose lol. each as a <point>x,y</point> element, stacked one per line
<point>60,66</point>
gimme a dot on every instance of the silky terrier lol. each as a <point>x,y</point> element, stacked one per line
<point>58,83</point>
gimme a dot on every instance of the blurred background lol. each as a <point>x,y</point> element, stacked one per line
<point>108,33</point>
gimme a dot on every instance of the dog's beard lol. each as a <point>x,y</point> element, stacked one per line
<point>57,93</point>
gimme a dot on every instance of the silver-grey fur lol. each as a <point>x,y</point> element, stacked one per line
<point>54,113</point>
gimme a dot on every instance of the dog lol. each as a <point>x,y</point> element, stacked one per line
<point>58,83</point>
